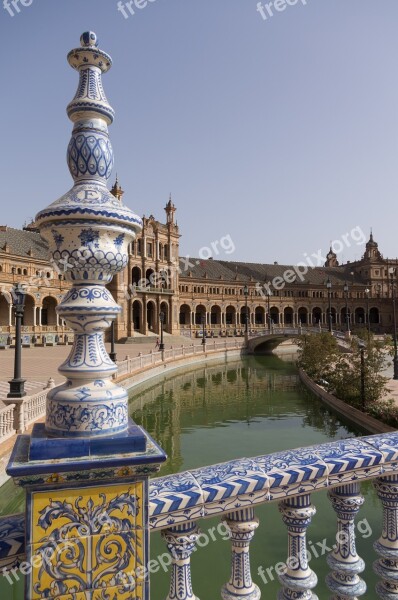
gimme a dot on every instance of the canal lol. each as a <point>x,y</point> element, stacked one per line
<point>218,412</point>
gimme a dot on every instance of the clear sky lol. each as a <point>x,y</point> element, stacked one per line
<point>281,133</point>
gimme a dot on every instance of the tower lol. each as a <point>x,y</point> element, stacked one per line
<point>170,210</point>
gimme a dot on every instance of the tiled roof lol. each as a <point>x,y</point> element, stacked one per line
<point>21,242</point>
<point>231,271</point>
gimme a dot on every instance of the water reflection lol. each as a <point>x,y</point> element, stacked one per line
<point>253,392</point>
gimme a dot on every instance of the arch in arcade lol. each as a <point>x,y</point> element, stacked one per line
<point>151,316</point>
<point>259,315</point>
<point>29,311</point>
<point>185,314</point>
<point>48,312</point>
<point>200,314</point>
<point>230,316</point>
<point>215,315</point>
<point>316,315</point>
<point>136,316</point>
<point>274,314</point>
<point>302,315</point>
<point>288,315</point>
<point>164,309</point>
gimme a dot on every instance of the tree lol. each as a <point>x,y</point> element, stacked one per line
<point>321,358</point>
<point>318,355</point>
<point>346,378</point>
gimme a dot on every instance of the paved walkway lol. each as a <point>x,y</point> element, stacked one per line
<point>39,364</point>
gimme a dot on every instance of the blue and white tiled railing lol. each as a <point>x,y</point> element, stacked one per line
<point>232,490</point>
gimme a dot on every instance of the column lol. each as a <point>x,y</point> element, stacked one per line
<point>344,581</point>
<point>10,315</point>
<point>298,579</point>
<point>181,543</point>
<point>387,545</point>
<point>242,525</point>
<point>40,309</point>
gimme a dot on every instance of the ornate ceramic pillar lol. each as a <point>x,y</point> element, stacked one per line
<point>181,543</point>
<point>88,231</point>
<point>298,579</point>
<point>242,525</point>
<point>86,469</point>
<point>344,581</point>
<point>387,545</point>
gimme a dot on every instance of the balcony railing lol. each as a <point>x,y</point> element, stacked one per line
<point>232,491</point>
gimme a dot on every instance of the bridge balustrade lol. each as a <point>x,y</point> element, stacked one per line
<point>232,490</point>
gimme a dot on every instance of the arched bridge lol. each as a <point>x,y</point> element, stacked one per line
<point>270,339</point>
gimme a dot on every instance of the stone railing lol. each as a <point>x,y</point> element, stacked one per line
<point>29,409</point>
<point>22,412</point>
<point>129,366</point>
<point>7,428</point>
<point>232,490</point>
<point>34,407</point>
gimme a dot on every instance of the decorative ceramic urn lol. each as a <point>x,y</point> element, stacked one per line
<point>88,231</point>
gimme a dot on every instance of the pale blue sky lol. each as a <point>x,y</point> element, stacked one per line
<point>282,133</point>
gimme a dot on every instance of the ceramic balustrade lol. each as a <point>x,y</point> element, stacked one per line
<point>232,490</point>
<point>344,580</point>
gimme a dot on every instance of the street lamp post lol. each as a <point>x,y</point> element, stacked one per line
<point>363,399</point>
<point>112,353</point>
<point>246,293</point>
<point>17,384</point>
<point>367,292</point>
<point>347,316</point>
<point>329,288</point>
<point>395,360</point>
<point>203,330</point>
<point>161,317</point>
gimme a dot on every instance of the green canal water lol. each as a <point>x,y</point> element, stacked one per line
<point>219,412</point>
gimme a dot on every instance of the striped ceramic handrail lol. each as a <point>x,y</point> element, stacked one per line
<point>231,490</point>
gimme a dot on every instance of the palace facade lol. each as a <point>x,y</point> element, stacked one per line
<point>191,293</point>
